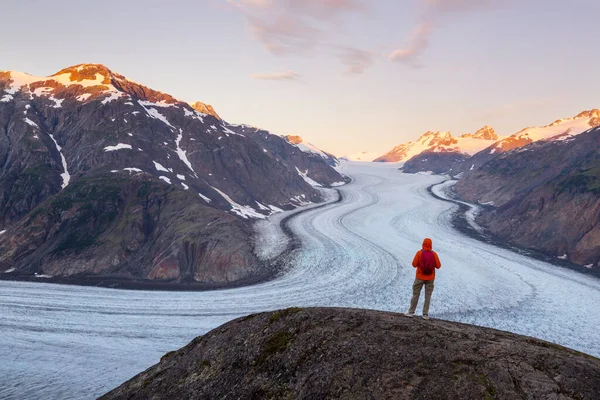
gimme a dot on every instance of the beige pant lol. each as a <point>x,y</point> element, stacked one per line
<point>417,286</point>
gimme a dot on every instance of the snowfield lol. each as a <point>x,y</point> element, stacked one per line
<point>65,342</point>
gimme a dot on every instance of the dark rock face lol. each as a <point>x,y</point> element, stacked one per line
<point>356,354</point>
<point>135,227</point>
<point>88,122</point>
<point>438,163</point>
<point>545,196</point>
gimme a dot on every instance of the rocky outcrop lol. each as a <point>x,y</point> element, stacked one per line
<point>61,135</point>
<point>354,354</point>
<point>205,109</point>
<point>544,196</point>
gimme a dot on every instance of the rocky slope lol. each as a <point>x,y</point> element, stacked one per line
<point>544,196</point>
<point>311,148</point>
<point>310,162</point>
<point>79,149</point>
<point>442,142</point>
<point>355,354</point>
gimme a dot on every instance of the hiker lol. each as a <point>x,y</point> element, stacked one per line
<point>426,261</point>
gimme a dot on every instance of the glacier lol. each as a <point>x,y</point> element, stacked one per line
<point>71,342</point>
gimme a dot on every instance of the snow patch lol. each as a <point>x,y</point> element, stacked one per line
<point>164,178</point>
<point>159,167</point>
<point>152,112</point>
<point>119,146</point>
<point>181,177</point>
<point>193,114</point>
<point>185,187</point>
<point>112,97</point>
<point>563,257</point>
<point>8,271</point>
<point>66,177</point>
<point>182,153</point>
<point>206,199</point>
<point>30,122</point>
<point>308,180</point>
<point>132,169</point>
<point>243,211</point>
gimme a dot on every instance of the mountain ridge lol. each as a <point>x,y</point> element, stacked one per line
<point>441,142</point>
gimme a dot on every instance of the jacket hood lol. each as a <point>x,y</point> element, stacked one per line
<point>427,244</point>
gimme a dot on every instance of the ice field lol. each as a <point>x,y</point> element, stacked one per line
<point>61,342</point>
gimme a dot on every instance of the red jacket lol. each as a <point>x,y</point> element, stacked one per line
<point>417,261</point>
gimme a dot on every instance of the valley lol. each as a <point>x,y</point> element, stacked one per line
<point>354,253</point>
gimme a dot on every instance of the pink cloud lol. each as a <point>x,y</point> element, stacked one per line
<point>298,26</point>
<point>277,76</point>
<point>432,11</point>
<point>356,60</point>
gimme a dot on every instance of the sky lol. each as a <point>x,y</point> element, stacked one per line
<point>346,75</point>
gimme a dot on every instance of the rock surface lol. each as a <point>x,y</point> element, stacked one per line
<point>356,354</point>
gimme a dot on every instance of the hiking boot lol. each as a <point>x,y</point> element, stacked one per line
<point>425,316</point>
<point>409,314</point>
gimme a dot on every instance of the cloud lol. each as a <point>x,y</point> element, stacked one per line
<point>356,60</point>
<point>302,26</point>
<point>432,12</point>
<point>418,43</point>
<point>277,76</point>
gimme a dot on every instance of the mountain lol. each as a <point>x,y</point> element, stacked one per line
<point>558,130</point>
<point>442,142</point>
<point>362,156</point>
<point>338,353</point>
<point>102,177</point>
<point>544,196</point>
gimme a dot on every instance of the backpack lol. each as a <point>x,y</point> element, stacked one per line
<point>427,263</point>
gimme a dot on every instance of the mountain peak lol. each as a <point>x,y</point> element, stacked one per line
<point>294,139</point>
<point>205,109</point>
<point>81,72</point>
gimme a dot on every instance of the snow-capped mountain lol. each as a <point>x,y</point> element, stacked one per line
<point>102,175</point>
<point>442,142</point>
<point>311,148</point>
<point>366,156</point>
<point>560,129</point>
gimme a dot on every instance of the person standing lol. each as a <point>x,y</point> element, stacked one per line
<point>426,261</point>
